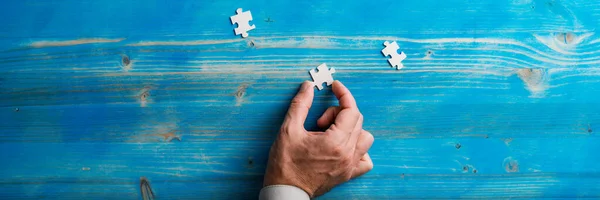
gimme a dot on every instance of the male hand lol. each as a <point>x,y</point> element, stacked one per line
<point>318,161</point>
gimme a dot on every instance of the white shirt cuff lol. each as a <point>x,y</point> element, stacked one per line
<point>278,192</point>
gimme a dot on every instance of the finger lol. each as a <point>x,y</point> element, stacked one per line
<point>356,132</point>
<point>343,95</point>
<point>328,117</point>
<point>349,114</point>
<point>364,143</point>
<point>345,122</point>
<point>300,105</point>
<point>364,165</point>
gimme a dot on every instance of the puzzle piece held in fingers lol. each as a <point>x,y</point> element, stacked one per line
<point>322,76</point>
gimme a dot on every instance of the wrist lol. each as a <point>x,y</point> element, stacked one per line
<point>273,180</point>
<point>277,175</point>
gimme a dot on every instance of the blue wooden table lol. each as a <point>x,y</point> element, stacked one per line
<point>497,99</point>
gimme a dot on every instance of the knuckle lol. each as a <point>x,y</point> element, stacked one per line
<point>333,128</point>
<point>346,160</point>
<point>370,166</point>
<point>358,114</point>
<point>285,129</point>
<point>338,151</point>
<point>298,102</point>
<point>332,173</point>
<point>370,138</point>
<point>347,175</point>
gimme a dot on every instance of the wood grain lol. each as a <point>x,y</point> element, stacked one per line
<point>498,99</point>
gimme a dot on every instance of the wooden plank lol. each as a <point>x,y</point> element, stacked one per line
<point>498,99</point>
<point>479,168</point>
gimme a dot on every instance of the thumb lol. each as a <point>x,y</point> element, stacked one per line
<point>364,165</point>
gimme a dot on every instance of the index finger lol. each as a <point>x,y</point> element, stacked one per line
<point>349,115</point>
<point>343,95</point>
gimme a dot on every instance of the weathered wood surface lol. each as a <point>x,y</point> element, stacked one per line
<point>498,99</point>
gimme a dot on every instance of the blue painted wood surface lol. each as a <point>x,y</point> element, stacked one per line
<point>498,99</point>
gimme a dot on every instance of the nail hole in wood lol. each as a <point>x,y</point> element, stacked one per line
<point>125,60</point>
<point>240,93</point>
<point>250,162</point>
<point>144,96</point>
<point>511,165</point>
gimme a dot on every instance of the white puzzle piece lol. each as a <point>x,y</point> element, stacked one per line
<point>242,19</point>
<point>322,76</point>
<point>391,49</point>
